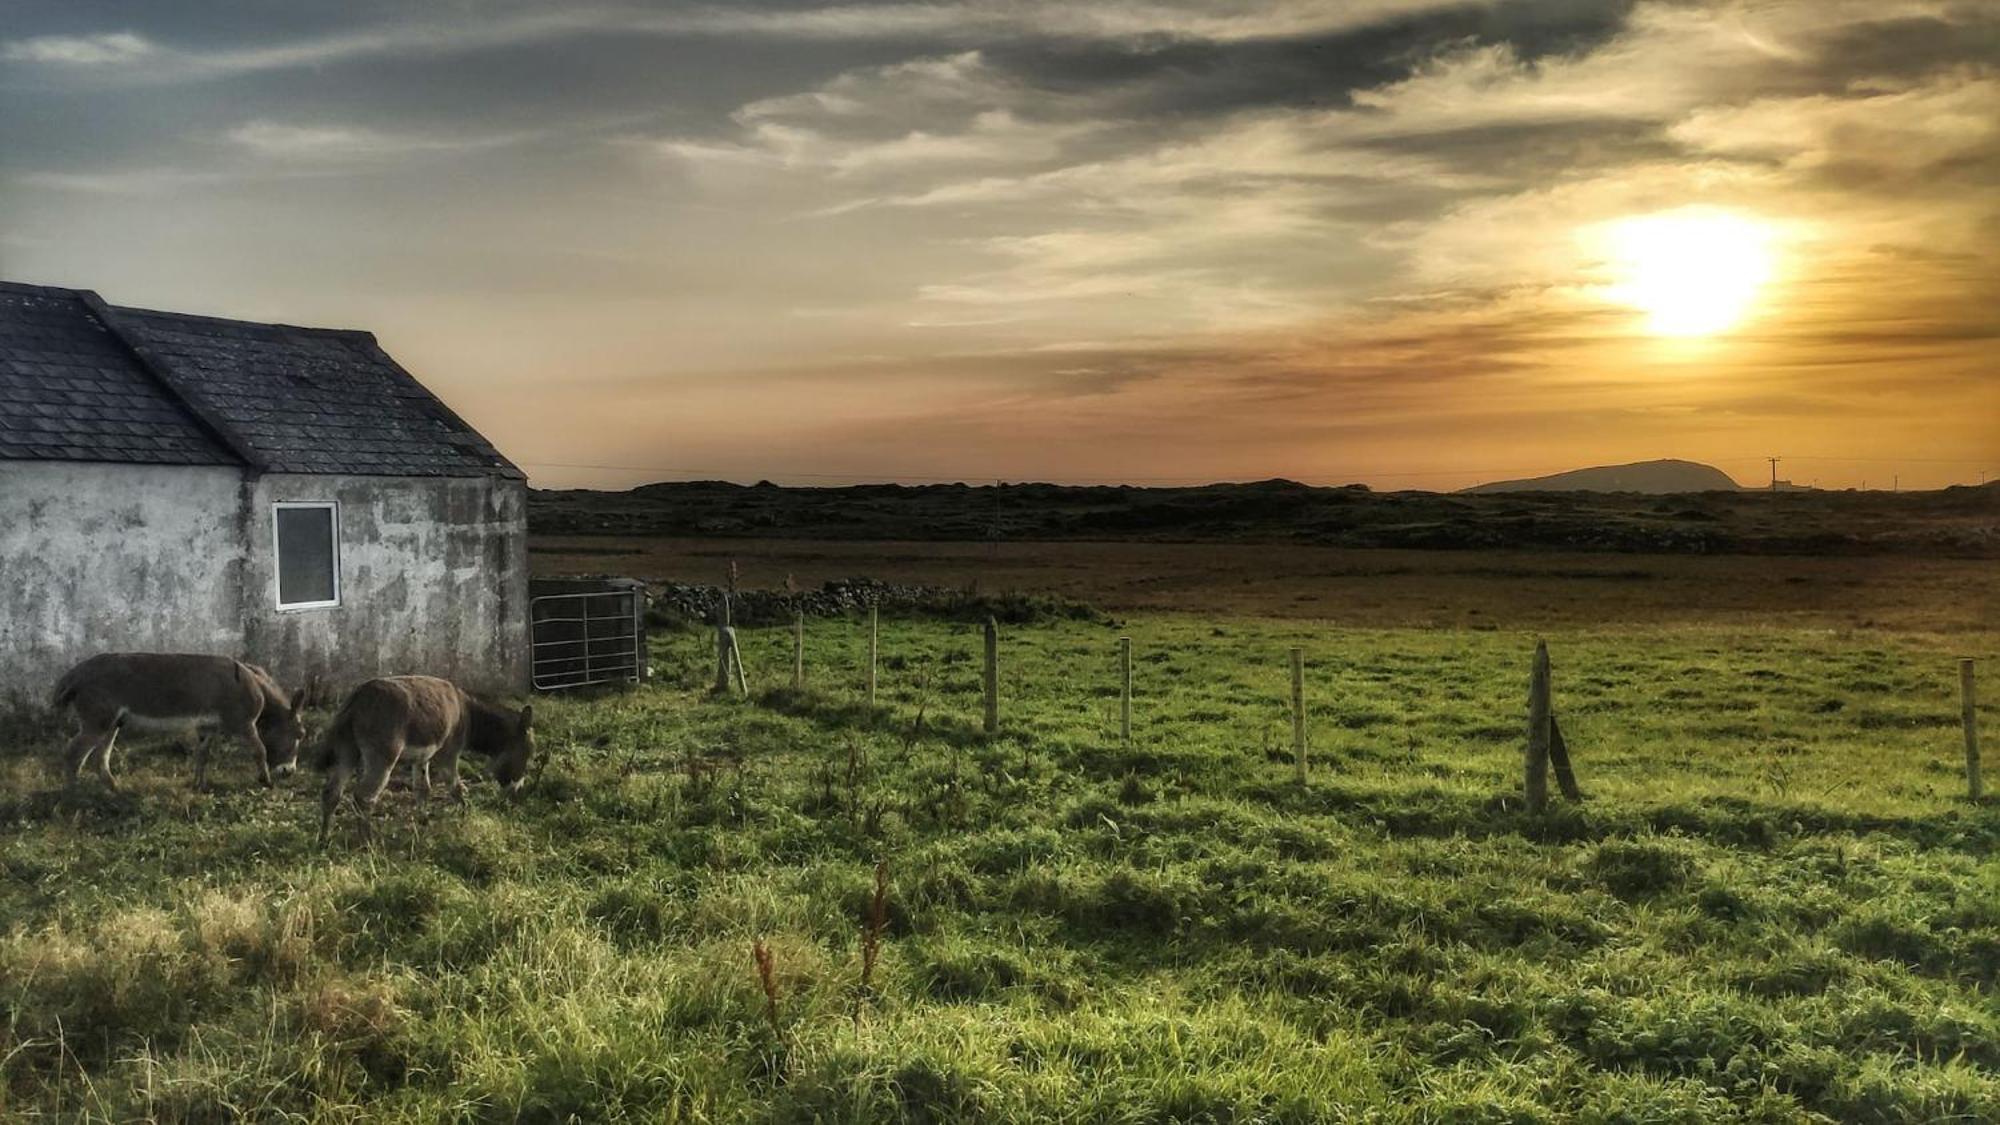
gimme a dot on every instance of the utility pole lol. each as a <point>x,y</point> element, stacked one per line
<point>1774,471</point>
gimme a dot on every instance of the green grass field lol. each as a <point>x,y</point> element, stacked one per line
<point>1775,905</point>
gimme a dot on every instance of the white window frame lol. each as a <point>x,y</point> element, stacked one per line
<point>277,563</point>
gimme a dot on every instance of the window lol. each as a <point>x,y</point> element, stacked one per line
<point>308,548</point>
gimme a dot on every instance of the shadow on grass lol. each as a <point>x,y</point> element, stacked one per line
<point>86,803</point>
<point>1433,812</point>
<point>855,715</point>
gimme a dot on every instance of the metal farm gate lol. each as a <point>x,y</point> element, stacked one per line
<point>586,631</point>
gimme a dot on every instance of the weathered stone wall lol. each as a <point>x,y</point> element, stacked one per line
<point>100,557</point>
<point>96,557</point>
<point>433,579</point>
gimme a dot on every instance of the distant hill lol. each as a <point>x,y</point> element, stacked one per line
<point>1649,477</point>
<point>1721,519</point>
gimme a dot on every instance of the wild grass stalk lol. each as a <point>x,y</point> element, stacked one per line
<point>767,978</point>
<point>871,932</point>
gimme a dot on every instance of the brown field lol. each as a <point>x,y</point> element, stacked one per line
<point>1363,587</point>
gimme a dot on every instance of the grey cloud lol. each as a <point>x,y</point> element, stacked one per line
<point>209,40</point>
<point>1180,75</point>
<point>1910,46</point>
<point>1533,151</point>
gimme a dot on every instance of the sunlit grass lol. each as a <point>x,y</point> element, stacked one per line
<point>1775,904</point>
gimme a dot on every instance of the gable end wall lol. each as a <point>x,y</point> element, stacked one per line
<point>108,557</point>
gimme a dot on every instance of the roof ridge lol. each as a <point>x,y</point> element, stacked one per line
<point>190,399</point>
<point>169,314</point>
<point>31,289</point>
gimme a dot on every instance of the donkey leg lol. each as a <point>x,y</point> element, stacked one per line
<point>204,754</point>
<point>447,757</point>
<point>104,758</point>
<point>420,783</point>
<point>374,779</point>
<point>247,735</point>
<point>201,761</point>
<point>78,752</point>
<point>329,796</point>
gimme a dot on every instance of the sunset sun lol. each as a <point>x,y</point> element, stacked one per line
<point>1693,272</point>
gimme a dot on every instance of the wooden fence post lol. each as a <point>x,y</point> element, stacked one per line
<point>799,650</point>
<point>992,676</point>
<point>1536,780</point>
<point>874,633</point>
<point>1125,692</point>
<point>1299,710</point>
<point>1970,714</point>
<point>729,673</point>
<point>723,643</point>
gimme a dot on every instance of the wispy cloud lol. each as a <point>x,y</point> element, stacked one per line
<point>261,150</point>
<point>967,21</point>
<point>124,181</point>
<point>78,50</point>
<point>992,138</point>
<point>1876,133</point>
<point>333,143</point>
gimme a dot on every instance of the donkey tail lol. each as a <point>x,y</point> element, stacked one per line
<point>339,733</point>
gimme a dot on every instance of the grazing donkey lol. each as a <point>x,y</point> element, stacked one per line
<point>428,719</point>
<point>177,691</point>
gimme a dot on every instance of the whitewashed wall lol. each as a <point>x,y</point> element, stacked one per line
<point>99,557</point>
<point>433,580</point>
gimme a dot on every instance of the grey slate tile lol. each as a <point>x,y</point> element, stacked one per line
<point>294,399</point>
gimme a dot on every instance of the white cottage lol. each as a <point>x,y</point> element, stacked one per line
<point>291,496</point>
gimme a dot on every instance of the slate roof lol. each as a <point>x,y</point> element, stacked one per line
<point>69,391</point>
<point>81,380</point>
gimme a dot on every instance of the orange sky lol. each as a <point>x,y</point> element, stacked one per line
<point>1374,241</point>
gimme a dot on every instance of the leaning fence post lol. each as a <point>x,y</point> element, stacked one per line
<point>874,630</point>
<point>1559,758</point>
<point>1299,711</point>
<point>1125,692</point>
<point>736,655</point>
<point>798,650</point>
<point>1536,780</point>
<point>992,676</point>
<point>1970,714</point>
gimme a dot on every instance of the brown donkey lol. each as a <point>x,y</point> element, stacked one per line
<point>427,719</point>
<point>177,691</point>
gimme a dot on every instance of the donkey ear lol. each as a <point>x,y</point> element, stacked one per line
<point>527,716</point>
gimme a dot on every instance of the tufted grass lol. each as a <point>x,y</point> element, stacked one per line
<point>1774,906</point>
